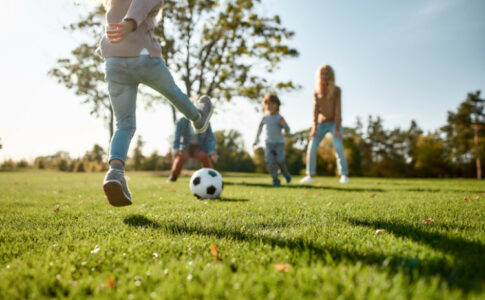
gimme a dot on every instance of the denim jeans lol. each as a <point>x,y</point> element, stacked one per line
<point>311,157</point>
<point>274,155</point>
<point>123,75</point>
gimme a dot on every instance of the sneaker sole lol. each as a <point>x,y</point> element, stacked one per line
<point>206,124</point>
<point>114,194</point>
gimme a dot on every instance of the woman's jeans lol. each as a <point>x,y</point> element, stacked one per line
<point>123,75</point>
<point>311,158</point>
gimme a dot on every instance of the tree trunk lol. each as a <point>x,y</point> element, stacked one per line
<point>477,152</point>
<point>174,114</point>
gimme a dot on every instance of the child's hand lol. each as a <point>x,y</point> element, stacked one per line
<point>214,157</point>
<point>120,32</point>
<point>282,121</point>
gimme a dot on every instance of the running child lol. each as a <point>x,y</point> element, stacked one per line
<point>274,153</point>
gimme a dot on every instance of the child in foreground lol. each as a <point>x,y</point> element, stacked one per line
<point>133,56</point>
<point>274,153</point>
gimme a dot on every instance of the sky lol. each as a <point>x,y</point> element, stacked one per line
<point>400,60</point>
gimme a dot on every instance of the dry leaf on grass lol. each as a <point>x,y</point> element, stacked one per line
<point>466,200</point>
<point>57,208</point>
<point>282,267</point>
<point>172,189</point>
<point>304,193</point>
<point>476,197</point>
<point>379,231</point>
<point>215,253</point>
<point>372,195</point>
<point>428,220</point>
<point>329,204</point>
<point>110,282</point>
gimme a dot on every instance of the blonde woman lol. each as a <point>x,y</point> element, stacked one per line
<point>133,56</point>
<point>327,117</point>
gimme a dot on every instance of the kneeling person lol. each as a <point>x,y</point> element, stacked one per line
<point>188,144</point>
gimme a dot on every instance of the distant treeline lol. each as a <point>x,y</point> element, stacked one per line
<point>455,150</point>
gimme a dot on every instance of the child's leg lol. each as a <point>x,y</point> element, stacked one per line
<point>340,154</point>
<point>270,159</point>
<point>178,163</point>
<point>122,92</point>
<point>154,73</point>
<point>311,157</point>
<point>280,157</point>
<point>204,159</point>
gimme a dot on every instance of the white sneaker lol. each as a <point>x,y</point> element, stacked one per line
<point>307,179</point>
<point>344,179</point>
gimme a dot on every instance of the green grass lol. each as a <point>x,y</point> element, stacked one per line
<point>160,246</point>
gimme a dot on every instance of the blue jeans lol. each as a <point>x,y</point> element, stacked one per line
<point>123,75</point>
<point>311,157</point>
<point>274,155</point>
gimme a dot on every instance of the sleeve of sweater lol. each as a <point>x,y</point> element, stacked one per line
<point>315,110</point>
<point>139,9</point>
<point>338,108</point>
<point>285,126</point>
<point>260,128</point>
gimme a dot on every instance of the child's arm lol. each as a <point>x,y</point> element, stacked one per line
<point>137,13</point>
<point>260,128</point>
<point>139,10</point>
<point>284,125</point>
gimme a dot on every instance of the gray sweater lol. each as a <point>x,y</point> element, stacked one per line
<point>273,129</point>
<point>143,12</point>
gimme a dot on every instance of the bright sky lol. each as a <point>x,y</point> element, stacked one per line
<point>401,60</point>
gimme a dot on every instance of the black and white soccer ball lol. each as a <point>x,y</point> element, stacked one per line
<point>206,184</point>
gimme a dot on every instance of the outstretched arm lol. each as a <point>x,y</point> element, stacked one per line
<point>260,128</point>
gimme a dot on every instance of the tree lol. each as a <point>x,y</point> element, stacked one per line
<point>462,139</point>
<point>220,48</point>
<point>138,159</point>
<point>430,157</point>
<point>232,156</point>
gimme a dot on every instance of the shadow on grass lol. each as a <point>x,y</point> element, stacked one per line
<point>431,190</point>
<point>465,273</point>
<point>467,254</point>
<point>226,199</point>
<point>304,186</point>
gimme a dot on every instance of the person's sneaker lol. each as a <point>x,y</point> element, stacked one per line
<point>171,178</point>
<point>276,182</point>
<point>205,108</point>
<point>307,179</point>
<point>344,179</point>
<point>287,176</point>
<point>116,189</point>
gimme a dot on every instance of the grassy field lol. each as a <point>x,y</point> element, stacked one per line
<point>365,240</point>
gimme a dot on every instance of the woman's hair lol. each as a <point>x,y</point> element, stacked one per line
<point>330,81</point>
<point>270,98</point>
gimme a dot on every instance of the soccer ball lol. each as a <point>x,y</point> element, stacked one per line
<point>206,184</point>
